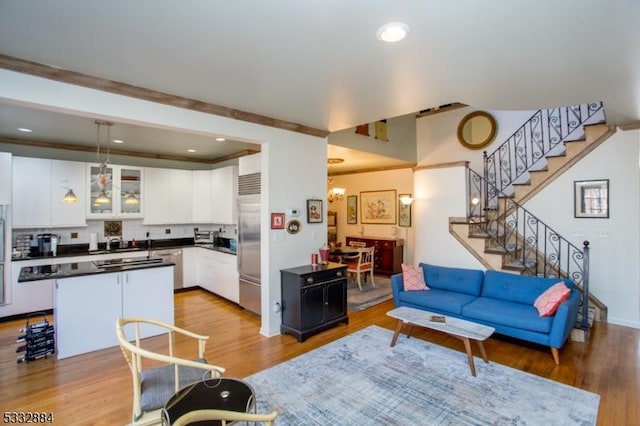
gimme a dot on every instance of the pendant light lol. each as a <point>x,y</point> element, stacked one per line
<point>131,199</point>
<point>103,177</point>
<point>69,197</point>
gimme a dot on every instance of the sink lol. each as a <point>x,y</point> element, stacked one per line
<point>116,263</point>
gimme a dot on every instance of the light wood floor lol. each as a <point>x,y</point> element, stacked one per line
<point>95,388</point>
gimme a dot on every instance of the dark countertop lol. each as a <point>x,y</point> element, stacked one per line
<point>75,250</point>
<point>76,269</point>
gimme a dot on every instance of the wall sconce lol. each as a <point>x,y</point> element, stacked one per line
<point>405,199</point>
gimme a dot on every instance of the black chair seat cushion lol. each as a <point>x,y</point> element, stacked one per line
<point>158,384</point>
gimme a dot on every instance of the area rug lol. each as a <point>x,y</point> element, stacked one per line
<point>361,380</point>
<point>369,296</point>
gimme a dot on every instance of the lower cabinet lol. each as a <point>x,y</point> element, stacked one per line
<point>217,272</point>
<point>86,307</point>
<point>313,299</point>
<point>388,256</point>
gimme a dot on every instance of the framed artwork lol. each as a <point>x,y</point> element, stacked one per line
<point>404,212</point>
<point>378,207</point>
<point>277,220</point>
<point>314,211</point>
<point>332,218</point>
<point>352,209</point>
<point>591,198</point>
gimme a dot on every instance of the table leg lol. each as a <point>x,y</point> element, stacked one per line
<point>483,352</point>
<point>395,335</point>
<point>467,346</point>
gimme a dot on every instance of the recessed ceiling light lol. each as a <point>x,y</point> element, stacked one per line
<point>191,150</point>
<point>118,141</point>
<point>392,32</point>
<point>24,130</point>
<point>220,139</point>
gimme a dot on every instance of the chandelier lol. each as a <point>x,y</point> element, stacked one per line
<point>334,193</point>
<point>102,178</point>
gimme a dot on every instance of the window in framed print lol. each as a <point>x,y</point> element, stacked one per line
<point>591,198</point>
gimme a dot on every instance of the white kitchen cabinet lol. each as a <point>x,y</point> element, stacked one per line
<point>31,205</point>
<point>38,188</point>
<point>218,273</point>
<point>224,189</point>
<point>181,196</point>
<point>168,197</point>
<point>202,196</point>
<point>5,178</point>
<point>189,267</point>
<point>65,175</point>
<point>86,307</point>
<point>118,183</point>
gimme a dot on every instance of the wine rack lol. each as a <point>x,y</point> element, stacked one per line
<point>37,339</point>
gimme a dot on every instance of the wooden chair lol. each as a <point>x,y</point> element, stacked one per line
<point>361,264</point>
<point>224,417</point>
<point>152,387</point>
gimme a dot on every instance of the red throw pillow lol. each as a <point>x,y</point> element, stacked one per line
<point>413,278</point>
<point>547,303</point>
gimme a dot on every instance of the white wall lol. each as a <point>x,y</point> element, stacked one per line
<point>400,180</point>
<point>615,259</point>
<point>287,179</point>
<point>401,135</point>
<point>614,242</point>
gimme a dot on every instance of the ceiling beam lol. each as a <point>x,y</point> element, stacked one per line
<point>79,79</point>
<point>112,151</point>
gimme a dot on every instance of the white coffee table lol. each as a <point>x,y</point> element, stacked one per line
<point>461,329</point>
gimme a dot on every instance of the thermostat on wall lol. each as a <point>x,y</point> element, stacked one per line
<point>293,212</point>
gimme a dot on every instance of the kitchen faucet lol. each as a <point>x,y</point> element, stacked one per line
<point>110,240</point>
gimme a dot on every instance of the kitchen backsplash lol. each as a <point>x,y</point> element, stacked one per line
<point>131,229</point>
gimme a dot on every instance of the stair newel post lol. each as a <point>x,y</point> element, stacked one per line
<point>485,182</point>
<point>585,287</point>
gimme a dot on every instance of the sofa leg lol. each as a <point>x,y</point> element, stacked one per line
<point>556,355</point>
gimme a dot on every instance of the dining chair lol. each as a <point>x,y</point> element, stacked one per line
<point>361,264</point>
<point>152,387</point>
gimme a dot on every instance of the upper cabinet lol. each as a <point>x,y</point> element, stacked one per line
<point>114,191</point>
<point>214,195</point>
<point>5,178</point>
<point>38,188</point>
<point>224,189</point>
<point>168,198</point>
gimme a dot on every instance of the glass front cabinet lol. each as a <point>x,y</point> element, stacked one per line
<point>115,191</point>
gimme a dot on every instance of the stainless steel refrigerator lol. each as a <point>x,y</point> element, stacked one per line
<point>249,241</point>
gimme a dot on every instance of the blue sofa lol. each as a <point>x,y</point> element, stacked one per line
<point>498,299</point>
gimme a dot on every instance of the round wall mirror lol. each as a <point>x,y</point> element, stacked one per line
<point>477,130</point>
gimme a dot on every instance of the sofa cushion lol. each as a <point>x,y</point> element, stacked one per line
<point>512,314</point>
<point>413,278</point>
<point>467,281</point>
<point>438,300</point>
<point>516,288</point>
<point>547,303</point>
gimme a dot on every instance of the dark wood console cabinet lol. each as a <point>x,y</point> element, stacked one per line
<point>314,298</point>
<point>388,256</point>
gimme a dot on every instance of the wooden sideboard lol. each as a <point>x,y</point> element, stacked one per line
<point>388,255</point>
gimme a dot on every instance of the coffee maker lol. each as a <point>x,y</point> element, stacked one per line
<point>47,244</point>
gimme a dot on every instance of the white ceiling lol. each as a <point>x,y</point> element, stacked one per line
<point>318,63</point>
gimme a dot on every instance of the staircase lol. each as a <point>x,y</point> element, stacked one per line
<point>501,233</point>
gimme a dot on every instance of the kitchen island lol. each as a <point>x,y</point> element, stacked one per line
<point>89,296</point>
